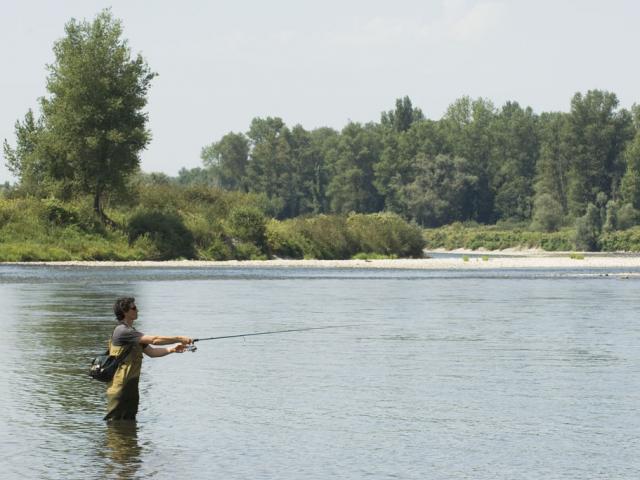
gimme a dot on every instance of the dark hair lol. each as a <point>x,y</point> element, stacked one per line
<point>122,306</point>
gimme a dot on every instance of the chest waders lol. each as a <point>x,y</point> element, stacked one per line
<point>122,391</point>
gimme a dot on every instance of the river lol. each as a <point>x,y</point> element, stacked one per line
<point>434,375</point>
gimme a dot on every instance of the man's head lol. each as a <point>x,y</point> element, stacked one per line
<point>125,307</point>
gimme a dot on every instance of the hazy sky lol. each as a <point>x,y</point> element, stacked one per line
<point>222,63</point>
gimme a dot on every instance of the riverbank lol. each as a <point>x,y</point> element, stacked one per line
<point>450,260</point>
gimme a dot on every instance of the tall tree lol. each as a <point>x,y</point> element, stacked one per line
<point>351,187</point>
<point>94,123</point>
<point>24,161</point>
<point>631,181</point>
<point>513,161</point>
<point>268,157</point>
<point>598,134</point>
<point>403,116</point>
<point>552,168</point>
<point>397,165</point>
<point>227,161</point>
<point>467,129</point>
<point>439,192</point>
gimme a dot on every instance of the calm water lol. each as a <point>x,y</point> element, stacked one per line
<point>448,375</point>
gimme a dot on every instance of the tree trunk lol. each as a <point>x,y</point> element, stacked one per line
<point>97,208</point>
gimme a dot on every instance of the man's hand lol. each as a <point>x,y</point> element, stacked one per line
<point>186,340</point>
<point>178,348</point>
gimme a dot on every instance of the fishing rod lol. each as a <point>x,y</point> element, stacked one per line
<point>193,348</point>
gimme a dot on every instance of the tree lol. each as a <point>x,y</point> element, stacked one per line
<point>467,132</point>
<point>227,161</point>
<point>552,167</point>
<point>94,123</point>
<point>588,229</point>
<point>397,165</point>
<point>23,160</point>
<point>351,187</point>
<point>598,134</point>
<point>268,157</point>
<point>403,116</point>
<point>513,161</point>
<point>547,213</point>
<point>440,191</point>
<point>631,180</point>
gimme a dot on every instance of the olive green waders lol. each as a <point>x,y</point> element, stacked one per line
<point>122,391</point>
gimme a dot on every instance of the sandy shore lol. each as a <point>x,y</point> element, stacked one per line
<point>511,259</point>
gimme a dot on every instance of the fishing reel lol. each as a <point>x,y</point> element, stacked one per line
<point>190,348</point>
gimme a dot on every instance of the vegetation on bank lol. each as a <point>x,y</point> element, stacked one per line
<point>499,237</point>
<point>164,222</point>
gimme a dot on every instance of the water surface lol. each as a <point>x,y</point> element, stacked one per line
<point>479,375</point>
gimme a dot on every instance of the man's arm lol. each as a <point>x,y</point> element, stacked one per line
<point>160,340</point>
<point>161,352</point>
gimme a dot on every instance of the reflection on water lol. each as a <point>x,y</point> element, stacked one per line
<point>446,377</point>
<point>122,449</point>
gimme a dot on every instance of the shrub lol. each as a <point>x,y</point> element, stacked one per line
<point>247,224</point>
<point>166,230</point>
<point>628,216</point>
<point>218,250</point>
<point>285,239</point>
<point>328,237</point>
<point>621,241</point>
<point>588,228</point>
<point>59,214</point>
<point>547,213</point>
<point>386,234</point>
<point>248,251</point>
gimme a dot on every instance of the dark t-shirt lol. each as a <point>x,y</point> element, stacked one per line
<point>125,335</point>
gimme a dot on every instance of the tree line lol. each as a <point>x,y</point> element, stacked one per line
<point>478,163</point>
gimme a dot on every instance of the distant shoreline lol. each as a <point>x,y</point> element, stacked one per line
<point>463,260</point>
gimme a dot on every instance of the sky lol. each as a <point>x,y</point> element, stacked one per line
<point>222,63</point>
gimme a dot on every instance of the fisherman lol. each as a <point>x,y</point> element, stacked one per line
<point>122,391</point>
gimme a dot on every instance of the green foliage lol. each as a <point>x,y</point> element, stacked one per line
<point>285,240</point>
<point>611,217</point>
<point>386,234</point>
<point>248,251</point>
<point>513,160</point>
<point>227,161</point>
<point>93,124</point>
<point>442,189</point>
<point>247,224</point>
<point>373,256</point>
<point>547,213</point>
<point>340,237</point>
<point>58,214</point>
<point>588,229</point>
<point>628,216</point>
<point>351,188</point>
<point>167,232</point>
<point>576,256</point>
<point>597,135</point>
<point>475,237</point>
<point>621,241</point>
<point>403,116</point>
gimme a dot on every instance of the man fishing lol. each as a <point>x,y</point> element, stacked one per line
<point>122,392</point>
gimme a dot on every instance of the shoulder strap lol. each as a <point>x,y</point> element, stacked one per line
<point>123,354</point>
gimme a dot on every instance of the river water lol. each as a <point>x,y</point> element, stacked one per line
<point>435,375</point>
